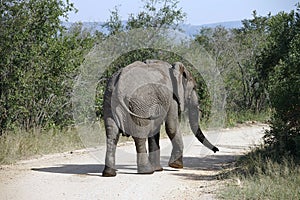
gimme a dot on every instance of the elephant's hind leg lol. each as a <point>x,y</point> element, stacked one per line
<point>112,138</point>
<point>143,164</point>
<point>154,152</point>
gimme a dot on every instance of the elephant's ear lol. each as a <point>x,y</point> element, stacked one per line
<point>178,83</point>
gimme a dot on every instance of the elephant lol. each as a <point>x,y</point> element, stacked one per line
<point>138,99</point>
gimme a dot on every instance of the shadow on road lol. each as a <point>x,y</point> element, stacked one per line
<point>212,163</point>
<point>208,168</point>
<point>77,169</point>
<point>89,169</point>
<point>198,177</point>
<point>208,163</point>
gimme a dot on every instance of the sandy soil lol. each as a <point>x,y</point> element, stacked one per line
<point>77,175</point>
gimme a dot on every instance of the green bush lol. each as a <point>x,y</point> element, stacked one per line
<point>284,135</point>
<point>38,62</point>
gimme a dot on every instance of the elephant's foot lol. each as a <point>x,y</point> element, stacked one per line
<point>154,158</point>
<point>145,169</point>
<point>158,168</point>
<point>144,165</point>
<point>178,164</point>
<point>109,172</point>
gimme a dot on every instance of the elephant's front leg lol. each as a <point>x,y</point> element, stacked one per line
<point>143,164</point>
<point>154,152</point>
<point>112,137</point>
<point>172,129</point>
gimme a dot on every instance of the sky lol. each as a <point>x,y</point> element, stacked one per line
<point>198,11</point>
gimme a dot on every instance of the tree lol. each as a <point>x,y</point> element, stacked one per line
<point>155,14</point>
<point>235,52</point>
<point>248,43</point>
<point>37,63</point>
<point>280,63</point>
<point>281,30</point>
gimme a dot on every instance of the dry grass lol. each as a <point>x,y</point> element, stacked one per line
<point>262,178</point>
<point>21,145</point>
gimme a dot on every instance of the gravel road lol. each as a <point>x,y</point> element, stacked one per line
<point>77,175</point>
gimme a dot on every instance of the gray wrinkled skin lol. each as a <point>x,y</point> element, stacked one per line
<point>138,100</point>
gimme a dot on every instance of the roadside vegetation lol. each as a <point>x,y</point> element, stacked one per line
<point>272,171</point>
<point>20,145</point>
<point>258,62</point>
<point>258,175</point>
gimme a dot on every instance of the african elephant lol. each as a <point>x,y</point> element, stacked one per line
<point>138,100</point>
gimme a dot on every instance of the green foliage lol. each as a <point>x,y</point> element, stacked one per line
<point>260,68</point>
<point>281,29</point>
<point>281,65</point>
<point>37,64</point>
<point>235,54</point>
<point>249,41</point>
<point>285,98</point>
<point>114,24</point>
<point>272,170</point>
<point>246,116</point>
<point>155,14</point>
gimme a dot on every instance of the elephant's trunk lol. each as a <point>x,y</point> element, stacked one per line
<point>194,121</point>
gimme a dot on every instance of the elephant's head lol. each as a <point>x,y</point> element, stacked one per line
<point>184,91</point>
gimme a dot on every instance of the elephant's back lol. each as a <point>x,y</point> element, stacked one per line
<point>139,74</point>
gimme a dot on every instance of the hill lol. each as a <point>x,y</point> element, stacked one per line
<point>192,30</point>
<point>189,29</point>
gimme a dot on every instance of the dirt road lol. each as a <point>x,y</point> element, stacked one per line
<point>77,175</point>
